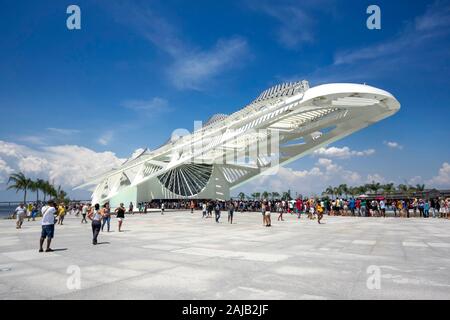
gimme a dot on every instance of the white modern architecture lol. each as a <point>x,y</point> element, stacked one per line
<point>284,123</point>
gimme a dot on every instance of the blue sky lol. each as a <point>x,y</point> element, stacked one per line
<point>74,102</point>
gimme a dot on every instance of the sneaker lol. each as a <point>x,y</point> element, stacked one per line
<point>41,250</point>
<point>49,250</point>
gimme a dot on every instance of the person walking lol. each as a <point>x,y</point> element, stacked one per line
<point>280,214</point>
<point>95,215</point>
<point>120,214</point>
<point>230,212</point>
<point>84,210</point>
<point>48,225</point>
<point>319,210</point>
<point>61,213</point>
<point>106,216</point>
<point>162,208</point>
<point>426,209</point>
<point>266,210</point>
<point>20,212</point>
<point>217,212</point>
<point>130,208</point>
<point>204,208</point>
<point>383,208</point>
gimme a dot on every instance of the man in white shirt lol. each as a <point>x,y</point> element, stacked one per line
<point>20,215</point>
<point>383,208</point>
<point>48,225</point>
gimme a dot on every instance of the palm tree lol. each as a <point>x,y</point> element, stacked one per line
<point>275,195</point>
<point>265,195</point>
<point>420,187</point>
<point>35,187</point>
<point>388,188</point>
<point>329,191</point>
<point>344,189</point>
<point>61,194</point>
<point>337,191</point>
<point>20,182</point>
<point>241,196</point>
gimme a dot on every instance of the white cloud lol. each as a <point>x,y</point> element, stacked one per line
<point>306,182</point>
<point>63,131</point>
<point>105,138</point>
<point>342,153</point>
<point>294,24</point>
<point>67,165</point>
<point>190,67</point>
<point>443,177</point>
<point>375,178</point>
<point>415,180</point>
<point>155,104</point>
<point>191,70</point>
<point>33,139</point>
<point>393,145</point>
<point>5,171</point>
<point>137,152</point>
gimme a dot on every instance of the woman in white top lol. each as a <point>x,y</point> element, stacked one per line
<point>96,216</point>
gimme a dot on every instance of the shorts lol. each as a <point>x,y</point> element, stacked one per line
<point>20,218</point>
<point>120,219</point>
<point>48,231</point>
<point>267,214</point>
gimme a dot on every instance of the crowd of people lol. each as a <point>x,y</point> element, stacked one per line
<point>313,208</point>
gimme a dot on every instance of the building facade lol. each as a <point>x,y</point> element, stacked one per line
<point>284,123</point>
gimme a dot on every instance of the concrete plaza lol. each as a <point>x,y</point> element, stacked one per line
<point>182,256</point>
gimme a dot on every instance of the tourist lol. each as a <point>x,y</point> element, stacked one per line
<point>130,208</point>
<point>106,216</point>
<point>383,208</point>
<point>20,215</point>
<point>34,212</point>
<point>299,206</point>
<point>268,214</point>
<point>217,212</point>
<point>48,225</point>
<point>29,211</point>
<point>263,211</point>
<point>95,215</point>
<point>84,210</point>
<point>400,208</point>
<point>319,210</point>
<point>192,205</point>
<point>312,211</point>
<point>352,206</point>
<point>358,207</point>
<point>280,214</point>
<point>363,205</point>
<point>210,209</point>
<point>426,209</point>
<point>230,212</point>
<point>61,213</point>
<point>204,210</point>
<point>162,208</point>
<point>406,208</point>
<point>443,209</point>
<point>120,213</point>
